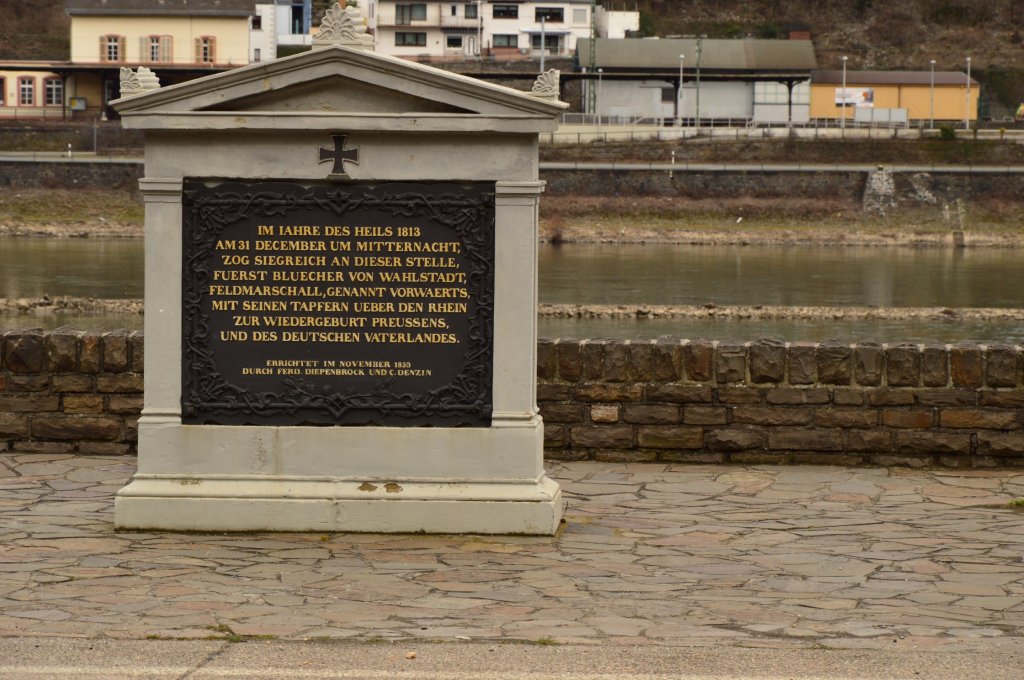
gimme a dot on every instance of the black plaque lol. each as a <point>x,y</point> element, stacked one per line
<point>337,304</point>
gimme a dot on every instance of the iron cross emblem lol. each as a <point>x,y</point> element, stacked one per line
<point>340,155</point>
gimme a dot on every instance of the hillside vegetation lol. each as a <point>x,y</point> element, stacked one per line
<point>874,34</point>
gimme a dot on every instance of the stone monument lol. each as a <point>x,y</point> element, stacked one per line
<point>341,294</point>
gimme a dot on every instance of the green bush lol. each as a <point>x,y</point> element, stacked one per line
<point>947,133</point>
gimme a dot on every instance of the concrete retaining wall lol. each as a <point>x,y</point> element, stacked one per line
<point>666,400</point>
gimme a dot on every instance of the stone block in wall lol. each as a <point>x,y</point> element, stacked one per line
<point>1002,399</point>
<point>763,415</point>
<point>868,441</point>
<point>116,357</point>
<point>640,357</point>
<point>616,362</point>
<point>965,366</point>
<point>848,397</point>
<point>903,365</point>
<point>667,359</point>
<point>886,397</point>
<point>554,436</point>
<point>119,382</point>
<point>731,364</point>
<point>83,403</point>
<point>1002,366</point>
<point>733,439</point>
<point>705,415</point>
<point>558,413</point>
<point>28,403</point>
<point>867,364</point>
<point>62,351</point>
<point>138,348</point>
<point>767,360</point>
<point>667,437</point>
<point>609,393</point>
<point>592,359</point>
<point>553,392</point>
<point>698,360</point>
<point>848,459</point>
<point>72,382</point>
<point>1001,445</point>
<point>805,440</point>
<point>759,458</point>
<point>124,405</point>
<point>28,382</point>
<point>935,366</point>
<point>547,363</point>
<point>908,460</point>
<point>24,351</point>
<point>803,363</point>
<point>908,417</point>
<point>604,413</point>
<point>797,395</point>
<point>90,353</point>
<point>13,425</point>
<point>692,457</point>
<point>932,443</point>
<point>43,447</point>
<point>946,397</point>
<point>612,456</point>
<point>103,448</point>
<point>846,417</point>
<point>740,395</point>
<point>606,436</point>
<point>979,419</point>
<point>680,394</point>
<point>835,362</point>
<point>651,414</point>
<point>570,360</point>
<point>75,427</point>
<point>131,429</point>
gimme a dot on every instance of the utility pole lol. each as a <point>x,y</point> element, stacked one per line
<point>591,93</point>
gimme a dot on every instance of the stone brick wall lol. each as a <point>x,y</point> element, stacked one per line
<point>70,392</point>
<point>668,400</point>
<point>672,400</point>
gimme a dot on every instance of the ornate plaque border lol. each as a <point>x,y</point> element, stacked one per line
<point>208,397</point>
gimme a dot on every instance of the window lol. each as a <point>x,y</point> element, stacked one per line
<point>406,14</point>
<point>3,90</point>
<point>256,54</point>
<point>454,42</point>
<point>579,16</point>
<point>206,49</point>
<point>505,12</point>
<point>549,14</point>
<point>550,41</point>
<point>257,23</point>
<point>455,10</point>
<point>411,39</point>
<point>506,40</point>
<point>53,91</point>
<point>26,91</point>
<point>156,48</point>
<point>470,11</point>
<point>668,94</point>
<point>111,48</point>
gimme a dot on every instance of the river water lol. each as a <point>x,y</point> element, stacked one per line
<point>635,275</point>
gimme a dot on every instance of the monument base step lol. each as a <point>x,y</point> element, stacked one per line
<point>197,503</point>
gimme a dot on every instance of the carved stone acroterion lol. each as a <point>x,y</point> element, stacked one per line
<point>343,26</point>
<point>546,85</point>
<point>137,82</point>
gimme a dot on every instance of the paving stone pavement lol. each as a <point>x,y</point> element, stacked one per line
<point>761,556</point>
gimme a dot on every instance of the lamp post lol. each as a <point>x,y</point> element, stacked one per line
<point>967,99</point>
<point>479,32</point>
<point>597,100</point>
<point>842,97</point>
<point>543,44</point>
<point>931,110</point>
<point>696,118</point>
<point>679,96</point>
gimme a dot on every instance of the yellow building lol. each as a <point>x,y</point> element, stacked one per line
<point>177,39</point>
<point>944,96</point>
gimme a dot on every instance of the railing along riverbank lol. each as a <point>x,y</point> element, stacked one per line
<point>666,400</point>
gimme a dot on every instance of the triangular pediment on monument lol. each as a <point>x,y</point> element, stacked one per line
<point>338,85</point>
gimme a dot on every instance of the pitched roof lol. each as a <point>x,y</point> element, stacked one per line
<point>835,77</point>
<point>160,7</point>
<point>735,55</point>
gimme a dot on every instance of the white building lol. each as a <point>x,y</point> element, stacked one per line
<point>514,29</point>
<point>263,33</point>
